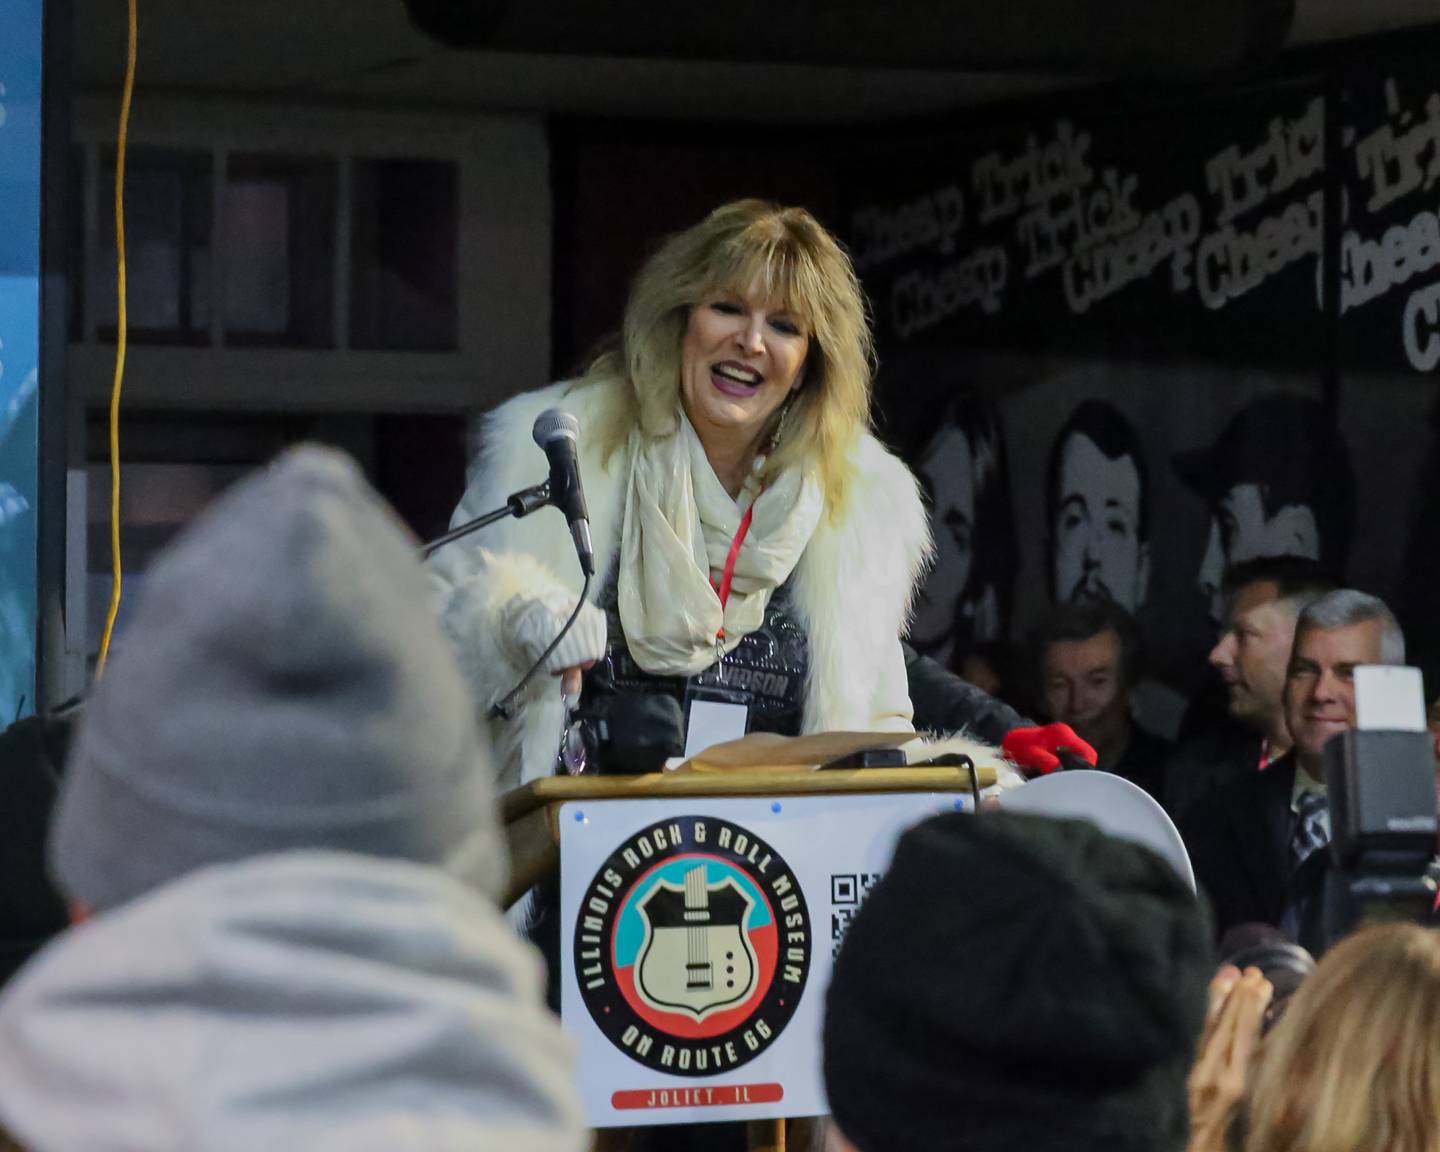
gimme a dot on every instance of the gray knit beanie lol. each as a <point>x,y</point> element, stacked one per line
<point>283,685</point>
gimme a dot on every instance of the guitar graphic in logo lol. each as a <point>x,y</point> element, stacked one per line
<point>691,946</point>
<point>697,957</point>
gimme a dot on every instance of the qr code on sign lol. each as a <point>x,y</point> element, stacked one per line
<point>847,892</point>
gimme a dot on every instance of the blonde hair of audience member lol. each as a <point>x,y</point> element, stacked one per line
<point>789,258</point>
<point>1354,1064</point>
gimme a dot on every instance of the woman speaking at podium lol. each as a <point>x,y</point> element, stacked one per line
<point>756,547</point>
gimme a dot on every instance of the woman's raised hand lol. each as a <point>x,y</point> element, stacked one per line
<point>1221,1073</point>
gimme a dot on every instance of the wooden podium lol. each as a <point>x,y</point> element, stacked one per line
<point>532,819</point>
<point>531,812</point>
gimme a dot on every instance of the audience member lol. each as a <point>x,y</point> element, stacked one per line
<point>1262,600</point>
<point>945,703</point>
<point>1355,1063</point>
<point>1087,655</point>
<point>1432,722</point>
<point>1014,982</point>
<point>1097,543</point>
<point>1282,962</point>
<point>1234,1020</point>
<point>32,754</point>
<point>1353,1066</point>
<point>278,825</point>
<point>1254,841</point>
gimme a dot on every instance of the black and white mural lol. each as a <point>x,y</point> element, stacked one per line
<point>1107,348</point>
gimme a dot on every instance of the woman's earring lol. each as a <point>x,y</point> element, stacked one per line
<point>780,424</point>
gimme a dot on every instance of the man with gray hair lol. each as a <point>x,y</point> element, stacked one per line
<point>1256,842</point>
<point>1333,635</point>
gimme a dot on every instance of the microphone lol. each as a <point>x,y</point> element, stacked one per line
<point>557,433</point>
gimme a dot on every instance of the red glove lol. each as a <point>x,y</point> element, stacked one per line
<point>1034,749</point>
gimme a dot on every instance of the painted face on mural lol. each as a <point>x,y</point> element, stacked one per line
<point>1097,547</point>
<point>947,473</point>
<point>1240,530</point>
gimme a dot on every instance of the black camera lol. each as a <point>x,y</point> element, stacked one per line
<point>624,734</point>
<point>1281,961</point>
<point>1381,787</point>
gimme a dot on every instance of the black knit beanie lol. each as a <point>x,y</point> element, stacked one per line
<point>1018,983</point>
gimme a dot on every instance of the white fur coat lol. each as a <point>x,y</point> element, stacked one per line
<point>852,588</point>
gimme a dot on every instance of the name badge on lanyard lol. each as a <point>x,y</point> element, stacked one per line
<point>715,714</point>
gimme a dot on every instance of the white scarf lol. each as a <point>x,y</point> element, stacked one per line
<point>678,529</point>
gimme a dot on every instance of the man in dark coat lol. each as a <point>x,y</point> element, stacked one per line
<point>32,754</point>
<point>1262,600</point>
<point>1087,656</point>
<point>1257,842</point>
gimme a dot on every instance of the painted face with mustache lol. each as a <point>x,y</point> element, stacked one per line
<point>1098,552</point>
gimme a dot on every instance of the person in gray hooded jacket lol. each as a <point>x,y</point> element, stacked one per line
<point>279,821</point>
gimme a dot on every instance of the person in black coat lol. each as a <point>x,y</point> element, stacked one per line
<point>1258,841</point>
<point>1086,657</point>
<point>1239,837</point>
<point>1247,730</point>
<point>32,755</point>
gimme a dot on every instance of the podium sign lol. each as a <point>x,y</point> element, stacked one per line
<point>697,938</point>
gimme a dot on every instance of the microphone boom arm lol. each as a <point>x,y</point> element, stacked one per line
<point>556,434</point>
<point>519,504</point>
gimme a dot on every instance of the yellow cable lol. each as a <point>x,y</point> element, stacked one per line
<point>120,341</point>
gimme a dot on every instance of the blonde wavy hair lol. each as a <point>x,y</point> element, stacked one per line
<point>799,267</point>
<point>1354,1064</point>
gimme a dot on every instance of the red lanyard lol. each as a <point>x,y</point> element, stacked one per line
<point>728,576</point>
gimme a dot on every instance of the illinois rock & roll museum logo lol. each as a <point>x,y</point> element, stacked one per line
<point>692,946</point>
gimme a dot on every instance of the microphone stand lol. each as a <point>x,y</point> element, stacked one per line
<point>519,505</point>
